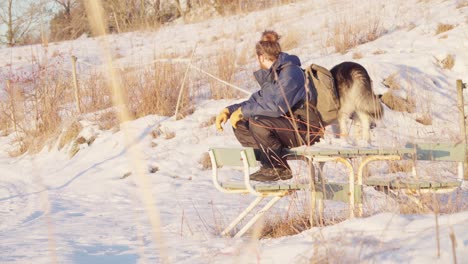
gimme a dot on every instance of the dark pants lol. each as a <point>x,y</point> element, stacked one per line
<point>270,135</point>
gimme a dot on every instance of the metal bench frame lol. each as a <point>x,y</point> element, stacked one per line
<point>245,158</point>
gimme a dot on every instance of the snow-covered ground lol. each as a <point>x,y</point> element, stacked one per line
<point>98,208</point>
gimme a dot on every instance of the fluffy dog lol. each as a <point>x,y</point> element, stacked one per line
<point>357,100</point>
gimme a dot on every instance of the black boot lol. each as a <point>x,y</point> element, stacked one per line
<point>266,174</point>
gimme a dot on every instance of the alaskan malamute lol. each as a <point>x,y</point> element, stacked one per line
<point>357,99</point>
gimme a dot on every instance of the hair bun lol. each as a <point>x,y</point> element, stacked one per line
<point>270,36</point>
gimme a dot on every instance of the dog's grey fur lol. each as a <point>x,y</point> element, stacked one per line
<point>354,88</point>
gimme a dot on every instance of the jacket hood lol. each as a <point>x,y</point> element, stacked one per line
<point>286,59</point>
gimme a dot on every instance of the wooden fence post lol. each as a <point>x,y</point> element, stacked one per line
<point>461,108</point>
<point>181,90</point>
<point>75,84</point>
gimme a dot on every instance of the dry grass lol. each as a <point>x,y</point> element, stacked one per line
<point>36,107</point>
<point>246,55</point>
<point>357,55</point>
<point>448,62</point>
<point>70,134</point>
<point>462,3</point>
<point>379,51</point>
<point>168,134</point>
<point>155,90</point>
<point>107,120</point>
<point>398,104</point>
<point>400,166</point>
<point>425,119</point>
<point>291,40</point>
<point>205,161</point>
<point>279,225</point>
<point>224,68</point>
<point>347,33</point>
<point>391,82</point>
<point>441,28</point>
<point>208,122</point>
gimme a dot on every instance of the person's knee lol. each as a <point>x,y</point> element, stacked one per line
<point>259,127</point>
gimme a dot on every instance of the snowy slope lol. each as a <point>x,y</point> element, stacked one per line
<point>93,208</point>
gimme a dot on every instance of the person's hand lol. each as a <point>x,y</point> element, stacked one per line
<point>236,117</point>
<point>222,118</point>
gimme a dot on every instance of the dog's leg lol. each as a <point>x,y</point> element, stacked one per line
<point>342,124</point>
<point>365,121</point>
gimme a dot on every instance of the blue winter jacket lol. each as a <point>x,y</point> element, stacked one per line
<point>275,94</point>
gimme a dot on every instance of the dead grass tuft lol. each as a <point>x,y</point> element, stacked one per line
<point>347,33</point>
<point>208,122</point>
<point>397,103</point>
<point>205,161</point>
<point>169,134</point>
<point>448,62</point>
<point>441,28</point>
<point>224,68</point>
<point>70,134</point>
<point>379,51</point>
<point>425,119</point>
<point>107,121</point>
<point>290,40</point>
<point>279,226</point>
<point>462,3</point>
<point>391,82</point>
<point>357,55</point>
<point>400,166</point>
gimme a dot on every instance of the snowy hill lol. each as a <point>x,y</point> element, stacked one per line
<point>138,198</point>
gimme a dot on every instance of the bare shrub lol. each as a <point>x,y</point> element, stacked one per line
<point>95,91</point>
<point>443,28</point>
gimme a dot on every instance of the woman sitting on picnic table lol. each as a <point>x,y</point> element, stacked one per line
<point>274,117</point>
